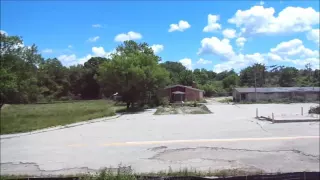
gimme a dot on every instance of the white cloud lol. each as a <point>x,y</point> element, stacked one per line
<point>98,51</point>
<point>293,47</point>
<point>229,33</point>
<point>203,61</point>
<point>72,59</point>
<point>314,62</point>
<point>94,39</point>
<point>187,63</point>
<point>68,60</point>
<point>240,41</point>
<point>313,35</point>
<point>47,51</point>
<point>261,3</point>
<point>260,20</point>
<point>238,62</point>
<point>274,57</point>
<point>214,46</point>
<point>70,46</point>
<point>96,25</point>
<point>84,59</point>
<point>129,36</point>
<point>157,48</point>
<point>181,26</point>
<point>3,32</point>
<point>294,52</point>
<point>212,23</point>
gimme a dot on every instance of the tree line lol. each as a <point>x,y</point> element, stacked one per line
<point>134,71</point>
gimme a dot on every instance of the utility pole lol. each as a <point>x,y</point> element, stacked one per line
<point>255,82</point>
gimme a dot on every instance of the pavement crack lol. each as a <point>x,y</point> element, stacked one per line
<point>158,155</point>
<point>261,127</point>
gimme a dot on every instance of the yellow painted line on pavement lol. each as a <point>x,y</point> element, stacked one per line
<point>132,143</point>
<point>77,145</point>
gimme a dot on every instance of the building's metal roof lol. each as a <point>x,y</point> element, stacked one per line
<point>189,87</point>
<point>278,89</point>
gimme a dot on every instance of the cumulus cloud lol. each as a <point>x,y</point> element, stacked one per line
<point>96,25</point>
<point>212,23</point>
<point>274,57</point>
<point>94,39</point>
<point>72,59</point>
<point>187,62</point>
<point>68,60</point>
<point>127,36</point>
<point>3,32</point>
<point>47,51</point>
<point>240,61</point>
<point>69,46</point>
<point>216,46</point>
<point>203,61</point>
<point>229,33</point>
<point>84,59</point>
<point>157,48</point>
<point>293,47</point>
<point>313,35</point>
<point>240,41</point>
<point>181,26</point>
<point>260,20</point>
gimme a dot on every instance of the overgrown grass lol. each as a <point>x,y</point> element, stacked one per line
<point>129,175</point>
<point>28,117</point>
<point>226,100</point>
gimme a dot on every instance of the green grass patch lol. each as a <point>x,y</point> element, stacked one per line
<point>28,117</point>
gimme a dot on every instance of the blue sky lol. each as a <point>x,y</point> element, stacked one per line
<point>239,32</point>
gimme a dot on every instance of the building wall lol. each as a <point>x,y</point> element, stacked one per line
<point>193,95</point>
<point>309,96</point>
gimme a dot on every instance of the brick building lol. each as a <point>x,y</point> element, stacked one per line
<point>178,93</point>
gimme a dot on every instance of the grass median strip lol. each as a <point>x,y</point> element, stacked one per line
<point>28,117</point>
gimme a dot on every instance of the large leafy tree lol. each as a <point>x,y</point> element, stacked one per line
<point>90,89</point>
<point>53,79</point>
<point>288,77</point>
<point>254,75</point>
<point>18,70</point>
<point>177,72</point>
<point>133,71</point>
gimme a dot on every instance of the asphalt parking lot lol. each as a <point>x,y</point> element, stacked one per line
<point>229,138</point>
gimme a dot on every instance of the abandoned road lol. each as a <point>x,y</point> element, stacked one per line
<point>227,139</point>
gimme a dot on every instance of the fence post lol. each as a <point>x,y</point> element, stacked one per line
<point>257,113</point>
<point>272,118</point>
<point>301,111</point>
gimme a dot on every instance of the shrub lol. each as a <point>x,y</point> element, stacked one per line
<point>314,110</point>
<point>164,101</point>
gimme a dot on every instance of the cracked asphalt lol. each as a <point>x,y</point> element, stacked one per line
<point>229,138</point>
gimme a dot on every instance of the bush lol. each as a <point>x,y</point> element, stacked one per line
<point>65,98</point>
<point>195,103</point>
<point>164,101</point>
<point>314,110</point>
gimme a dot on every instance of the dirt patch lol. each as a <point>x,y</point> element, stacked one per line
<point>202,109</point>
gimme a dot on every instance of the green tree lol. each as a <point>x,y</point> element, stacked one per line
<point>53,79</point>
<point>254,75</point>
<point>175,69</point>
<point>230,82</point>
<point>133,72</point>
<point>18,70</point>
<point>288,77</point>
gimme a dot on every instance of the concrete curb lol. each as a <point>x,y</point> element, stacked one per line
<point>9,136</point>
